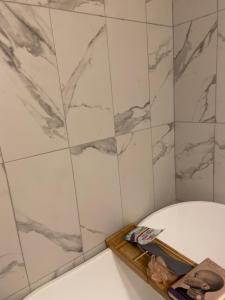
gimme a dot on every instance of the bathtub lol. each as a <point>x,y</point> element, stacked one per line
<point>196,229</point>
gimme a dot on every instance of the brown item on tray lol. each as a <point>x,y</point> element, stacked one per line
<point>159,272</point>
<point>132,256</point>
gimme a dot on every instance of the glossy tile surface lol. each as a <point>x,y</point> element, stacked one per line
<point>126,9</point>
<point>194,161</point>
<point>221,4</point>
<point>27,58</point>
<point>12,269</point>
<point>195,70</point>
<point>136,178</point>
<point>129,71</point>
<point>185,10</point>
<point>86,6</point>
<point>160,54</point>
<point>98,193</point>
<point>46,213</point>
<point>163,165</point>
<point>219,164</point>
<point>160,12</point>
<point>82,53</point>
<point>220,100</point>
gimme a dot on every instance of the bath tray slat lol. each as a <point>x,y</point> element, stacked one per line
<point>128,252</point>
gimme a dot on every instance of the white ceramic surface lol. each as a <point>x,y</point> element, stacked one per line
<point>195,228</point>
<point>102,277</point>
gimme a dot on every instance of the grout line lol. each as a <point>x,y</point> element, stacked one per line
<point>102,139</point>
<point>148,32</point>
<point>174,105</point>
<point>14,217</point>
<point>35,155</point>
<point>113,112</point>
<point>17,292</point>
<point>71,161</point>
<point>55,271</point>
<point>217,55</point>
<point>83,13</point>
<point>195,19</point>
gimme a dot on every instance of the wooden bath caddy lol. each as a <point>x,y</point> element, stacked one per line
<point>129,252</point>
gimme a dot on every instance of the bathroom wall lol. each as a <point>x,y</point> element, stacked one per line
<point>199,52</point>
<point>86,129</point>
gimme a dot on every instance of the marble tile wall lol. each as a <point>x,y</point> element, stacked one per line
<point>199,71</point>
<point>86,129</point>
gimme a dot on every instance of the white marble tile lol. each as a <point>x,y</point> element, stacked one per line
<point>31,110</point>
<point>219,188</point>
<point>194,161</point>
<point>12,269</point>
<point>185,10</point>
<point>93,252</point>
<point>81,46</point>
<point>126,9</point>
<point>87,6</point>
<point>129,70</point>
<point>220,95</point>
<point>160,53</point>
<point>60,271</point>
<point>163,165</point>
<point>46,213</point>
<point>136,175</point>
<point>221,4</point>
<point>1,157</point>
<point>160,12</point>
<point>195,70</point>
<point>98,192</point>
<point>19,295</point>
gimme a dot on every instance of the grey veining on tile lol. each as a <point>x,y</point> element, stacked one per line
<point>1,157</point>
<point>219,192</point>
<point>68,242</point>
<point>220,99</point>
<point>160,12</point>
<point>12,265</point>
<point>27,58</point>
<point>87,6</point>
<point>195,70</point>
<point>44,198</point>
<point>194,161</point>
<point>84,73</point>
<point>70,87</point>
<point>129,72</point>
<point>185,10</point>
<point>128,120</point>
<point>160,48</point>
<point>12,268</point>
<point>161,146</point>
<point>107,146</point>
<point>97,187</point>
<point>163,165</point>
<point>136,175</point>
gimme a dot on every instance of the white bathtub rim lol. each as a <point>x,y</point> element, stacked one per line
<point>183,204</point>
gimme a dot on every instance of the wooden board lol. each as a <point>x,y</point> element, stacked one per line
<point>129,252</point>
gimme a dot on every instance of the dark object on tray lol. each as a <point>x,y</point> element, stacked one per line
<point>133,257</point>
<point>175,265</point>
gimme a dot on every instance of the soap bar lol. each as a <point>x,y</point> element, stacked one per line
<point>142,235</point>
